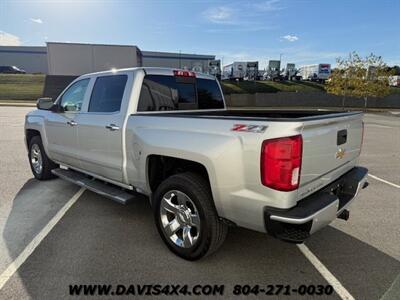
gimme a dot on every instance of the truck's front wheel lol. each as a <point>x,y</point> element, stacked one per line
<point>186,218</point>
<point>40,164</point>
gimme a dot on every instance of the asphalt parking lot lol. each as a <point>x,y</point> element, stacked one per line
<point>99,241</point>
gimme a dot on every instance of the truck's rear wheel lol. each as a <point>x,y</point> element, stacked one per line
<point>186,217</point>
<point>41,165</point>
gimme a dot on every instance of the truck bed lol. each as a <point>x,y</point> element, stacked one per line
<point>331,139</point>
<point>259,115</point>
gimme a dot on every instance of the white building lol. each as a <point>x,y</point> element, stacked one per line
<point>73,59</point>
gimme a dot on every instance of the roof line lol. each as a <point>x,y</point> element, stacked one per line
<point>178,57</point>
<point>91,44</point>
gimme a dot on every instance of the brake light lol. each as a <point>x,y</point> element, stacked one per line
<point>281,163</point>
<point>182,73</point>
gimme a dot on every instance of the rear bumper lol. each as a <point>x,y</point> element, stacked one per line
<point>317,210</point>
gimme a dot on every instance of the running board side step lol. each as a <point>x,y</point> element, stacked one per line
<point>107,190</point>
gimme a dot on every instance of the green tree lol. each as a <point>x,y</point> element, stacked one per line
<point>361,77</point>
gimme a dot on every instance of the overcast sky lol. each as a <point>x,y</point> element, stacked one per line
<point>303,31</point>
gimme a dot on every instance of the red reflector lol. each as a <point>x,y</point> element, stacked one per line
<point>281,163</point>
<point>182,73</point>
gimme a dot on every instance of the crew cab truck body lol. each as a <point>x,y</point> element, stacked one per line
<point>167,134</point>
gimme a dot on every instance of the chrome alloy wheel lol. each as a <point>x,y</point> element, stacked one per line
<point>36,159</point>
<point>180,219</point>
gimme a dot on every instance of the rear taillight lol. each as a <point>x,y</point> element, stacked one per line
<point>183,73</point>
<point>281,163</point>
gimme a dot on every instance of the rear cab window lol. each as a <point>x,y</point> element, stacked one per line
<point>166,93</point>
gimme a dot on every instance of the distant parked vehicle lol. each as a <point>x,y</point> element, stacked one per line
<point>261,74</point>
<point>11,70</point>
<point>235,71</point>
<point>290,72</point>
<point>214,68</point>
<point>252,70</point>
<point>394,80</point>
<point>318,72</point>
<point>273,71</point>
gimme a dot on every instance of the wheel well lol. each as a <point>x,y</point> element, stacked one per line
<point>29,134</point>
<point>161,167</point>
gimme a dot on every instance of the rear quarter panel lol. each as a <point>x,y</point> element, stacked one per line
<point>232,160</point>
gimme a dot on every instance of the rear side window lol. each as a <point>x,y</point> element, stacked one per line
<point>209,94</point>
<point>160,92</point>
<point>107,93</point>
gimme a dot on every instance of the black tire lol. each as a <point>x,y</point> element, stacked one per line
<point>212,232</point>
<point>47,163</point>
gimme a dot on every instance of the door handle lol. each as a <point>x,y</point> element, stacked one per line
<point>72,123</point>
<point>112,127</point>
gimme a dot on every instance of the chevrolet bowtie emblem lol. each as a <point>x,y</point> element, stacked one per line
<point>340,153</point>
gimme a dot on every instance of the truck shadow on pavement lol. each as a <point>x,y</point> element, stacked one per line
<point>32,208</point>
<point>102,242</point>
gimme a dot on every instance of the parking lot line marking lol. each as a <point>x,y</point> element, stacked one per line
<point>391,291</point>
<point>332,280</point>
<point>384,181</point>
<point>22,257</point>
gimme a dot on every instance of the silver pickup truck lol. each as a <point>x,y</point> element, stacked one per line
<point>167,134</point>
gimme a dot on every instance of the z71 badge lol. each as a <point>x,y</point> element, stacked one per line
<point>249,128</point>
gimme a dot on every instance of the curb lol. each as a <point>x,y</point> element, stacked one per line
<point>17,104</point>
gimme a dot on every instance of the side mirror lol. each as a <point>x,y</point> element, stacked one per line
<point>44,103</point>
<point>56,108</point>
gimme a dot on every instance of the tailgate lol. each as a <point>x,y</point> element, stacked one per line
<point>330,148</point>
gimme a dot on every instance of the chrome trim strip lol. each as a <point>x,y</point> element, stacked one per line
<point>315,215</point>
<point>306,219</point>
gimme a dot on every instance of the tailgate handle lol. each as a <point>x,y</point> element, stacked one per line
<point>341,137</point>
